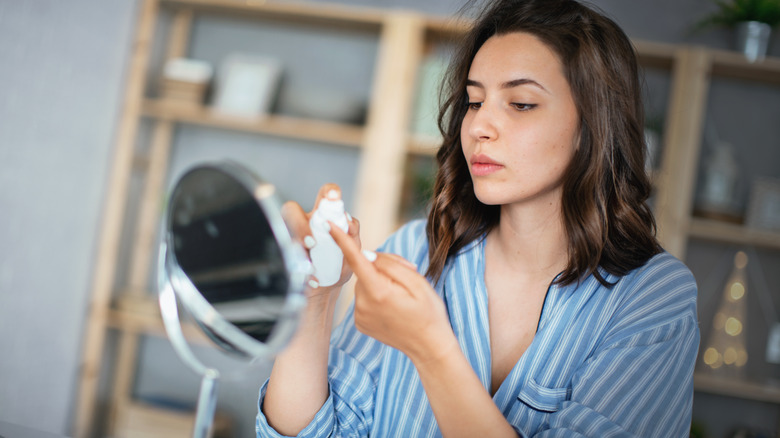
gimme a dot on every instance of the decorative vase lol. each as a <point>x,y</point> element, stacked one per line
<point>718,197</point>
<point>753,39</point>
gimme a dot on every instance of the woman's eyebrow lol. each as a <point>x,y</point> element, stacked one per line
<point>522,81</point>
<point>473,83</point>
<point>508,84</point>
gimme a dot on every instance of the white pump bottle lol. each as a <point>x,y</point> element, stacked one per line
<point>326,256</point>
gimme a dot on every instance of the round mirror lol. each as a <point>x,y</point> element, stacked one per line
<point>228,259</point>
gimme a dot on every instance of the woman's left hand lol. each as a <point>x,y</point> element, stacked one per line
<point>396,305</point>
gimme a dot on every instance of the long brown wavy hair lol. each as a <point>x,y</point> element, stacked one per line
<point>605,187</point>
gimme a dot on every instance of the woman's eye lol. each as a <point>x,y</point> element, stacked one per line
<point>474,105</point>
<point>523,106</point>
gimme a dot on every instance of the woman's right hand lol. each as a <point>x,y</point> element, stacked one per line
<point>297,221</point>
<point>298,386</point>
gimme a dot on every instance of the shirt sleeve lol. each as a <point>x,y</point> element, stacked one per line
<point>353,365</point>
<point>352,374</point>
<point>639,382</point>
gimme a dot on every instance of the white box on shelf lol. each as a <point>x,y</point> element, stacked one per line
<point>186,80</point>
<point>773,344</point>
<point>246,85</point>
<point>188,70</point>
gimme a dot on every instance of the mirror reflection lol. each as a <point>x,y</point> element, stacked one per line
<point>224,244</point>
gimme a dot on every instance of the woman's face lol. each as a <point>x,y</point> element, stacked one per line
<point>521,128</point>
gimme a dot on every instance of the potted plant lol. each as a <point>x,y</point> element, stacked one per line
<point>753,21</point>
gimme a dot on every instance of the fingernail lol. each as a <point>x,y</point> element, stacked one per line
<point>333,194</point>
<point>313,284</point>
<point>309,242</point>
<point>370,255</point>
<point>349,217</point>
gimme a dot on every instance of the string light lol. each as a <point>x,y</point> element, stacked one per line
<point>733,326</point>
<point>737,291</point>
<point>725,353</point>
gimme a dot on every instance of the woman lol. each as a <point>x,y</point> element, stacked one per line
<point>547,307</point>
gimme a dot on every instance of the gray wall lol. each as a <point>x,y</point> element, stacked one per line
<point>61,70</point>
<point>61,83</point>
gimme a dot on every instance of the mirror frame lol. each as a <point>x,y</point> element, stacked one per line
<point>294,258</point>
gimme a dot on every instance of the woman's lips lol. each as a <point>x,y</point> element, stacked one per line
<point>482,165</point>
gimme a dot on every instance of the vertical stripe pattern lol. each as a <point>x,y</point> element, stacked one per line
<point>605,362</point>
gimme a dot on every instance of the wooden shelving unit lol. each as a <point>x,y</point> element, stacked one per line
<point>692,71</point>
<point>381,141</point>
<point>384,145</point>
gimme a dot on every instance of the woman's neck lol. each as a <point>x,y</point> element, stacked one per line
<point>531,239</point>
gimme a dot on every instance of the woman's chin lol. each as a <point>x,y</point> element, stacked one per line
<point>490,197</point>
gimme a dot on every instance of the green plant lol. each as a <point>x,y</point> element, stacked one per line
<point>732,12</point>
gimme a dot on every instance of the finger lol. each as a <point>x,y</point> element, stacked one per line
<point>330,191</point>
<point>354,230</point>
<point>296,219</point>
<point>401,260</point>
<point>363,268</point>
<point>398,271</point>
<point>354,227</point>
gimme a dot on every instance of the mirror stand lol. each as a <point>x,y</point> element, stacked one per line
<point>207,404</point>
<point>207,397</point>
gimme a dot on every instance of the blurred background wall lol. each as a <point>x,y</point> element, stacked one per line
<point>62,67</point>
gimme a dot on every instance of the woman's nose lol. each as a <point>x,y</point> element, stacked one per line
<point>482,126</point>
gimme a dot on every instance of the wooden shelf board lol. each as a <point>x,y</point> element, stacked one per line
<point>141,419</point>
<point>423,145</point>
<point>141,314</point>
<point>732,64</point>
<point>276,125</point>
<point>735,388</point>
<point>735,234</point>
<point>309,12</point>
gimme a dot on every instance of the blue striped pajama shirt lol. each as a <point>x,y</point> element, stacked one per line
<point>605,362</point>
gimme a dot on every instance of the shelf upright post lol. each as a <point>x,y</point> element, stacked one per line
<point>144,245</point>
<point>114,205</point>
<point>682,142</point>
<point>380,176</point>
